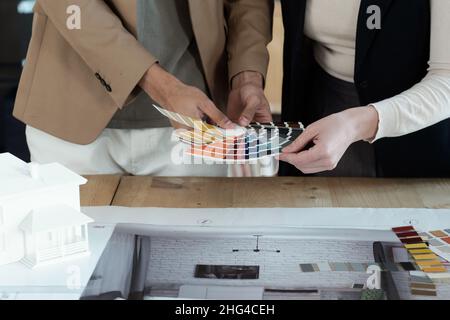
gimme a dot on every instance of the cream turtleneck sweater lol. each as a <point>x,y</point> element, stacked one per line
<point>332,25</point>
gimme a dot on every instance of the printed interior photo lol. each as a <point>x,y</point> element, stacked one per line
<point>218,266</point>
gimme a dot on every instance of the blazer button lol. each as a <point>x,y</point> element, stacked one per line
<point>108,88</point>
<point>97,75</point>
<point>364,84</point>
<point>103,82</point>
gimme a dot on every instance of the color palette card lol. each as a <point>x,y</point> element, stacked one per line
<point>438,241</point>
<point>240,145</point>
<point>357,266</point>
<point>419,249</point>
<point>283,128</point>
<point>430,264</point>
<point>253,145</point>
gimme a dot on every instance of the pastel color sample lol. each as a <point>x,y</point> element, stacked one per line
<point>435,243</point>
<point>439,233</point>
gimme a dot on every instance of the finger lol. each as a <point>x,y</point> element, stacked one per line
<point>233,107</point>
<point>263,113</point>
<point>311,158</point>
<point>216,115</point>
<point>308,158</point>
<point>288,157</point>
<point>178,125</point>
<point>313,170</point>
<point>292,158</point>
<point>301,142</point>
<point>250,107</point>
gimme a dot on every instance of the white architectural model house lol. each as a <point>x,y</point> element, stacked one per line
<point>40,218</point>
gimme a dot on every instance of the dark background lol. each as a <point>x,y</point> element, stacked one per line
<point>15,32</point>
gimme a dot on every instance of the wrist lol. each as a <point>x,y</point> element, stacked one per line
<point>246,78</point>
<point>158,84</point>
<point>363,123</point>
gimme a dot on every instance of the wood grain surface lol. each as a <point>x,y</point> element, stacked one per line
<point>275,192</point>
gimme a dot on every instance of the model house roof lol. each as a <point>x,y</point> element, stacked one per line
<point>53,217</point>
<point>16,178</point>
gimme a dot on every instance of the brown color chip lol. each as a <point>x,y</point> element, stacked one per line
<point>430,293</point>
<point>416,285</point>
<point>439,234</point>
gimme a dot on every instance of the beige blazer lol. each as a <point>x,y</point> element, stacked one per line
<point>75,80</point>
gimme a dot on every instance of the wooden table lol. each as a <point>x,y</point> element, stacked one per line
<point>265,192</point>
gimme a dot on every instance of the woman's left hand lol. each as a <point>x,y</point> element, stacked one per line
<point>331,137</point>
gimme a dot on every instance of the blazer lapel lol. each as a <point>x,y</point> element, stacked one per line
<point>365,36</point>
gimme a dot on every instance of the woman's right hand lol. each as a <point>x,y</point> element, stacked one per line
<point>331,136</point>
<point>173,95</point>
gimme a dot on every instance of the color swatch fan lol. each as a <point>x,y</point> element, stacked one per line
<point>240,145</point>
<point>421,248</point>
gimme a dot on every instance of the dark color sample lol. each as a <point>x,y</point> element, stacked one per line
<point>423,286</point>
<point>412,240</point>
<point>408,266</point>
<point>227,272</point>
<point>307,267</point>
<point>403,229</point>
<point>423,293</point>
<point>408,234</point>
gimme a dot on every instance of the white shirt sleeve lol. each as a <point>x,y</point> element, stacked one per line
<point>428,102</point>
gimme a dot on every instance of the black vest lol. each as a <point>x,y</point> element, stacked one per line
<point>388,62</point>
